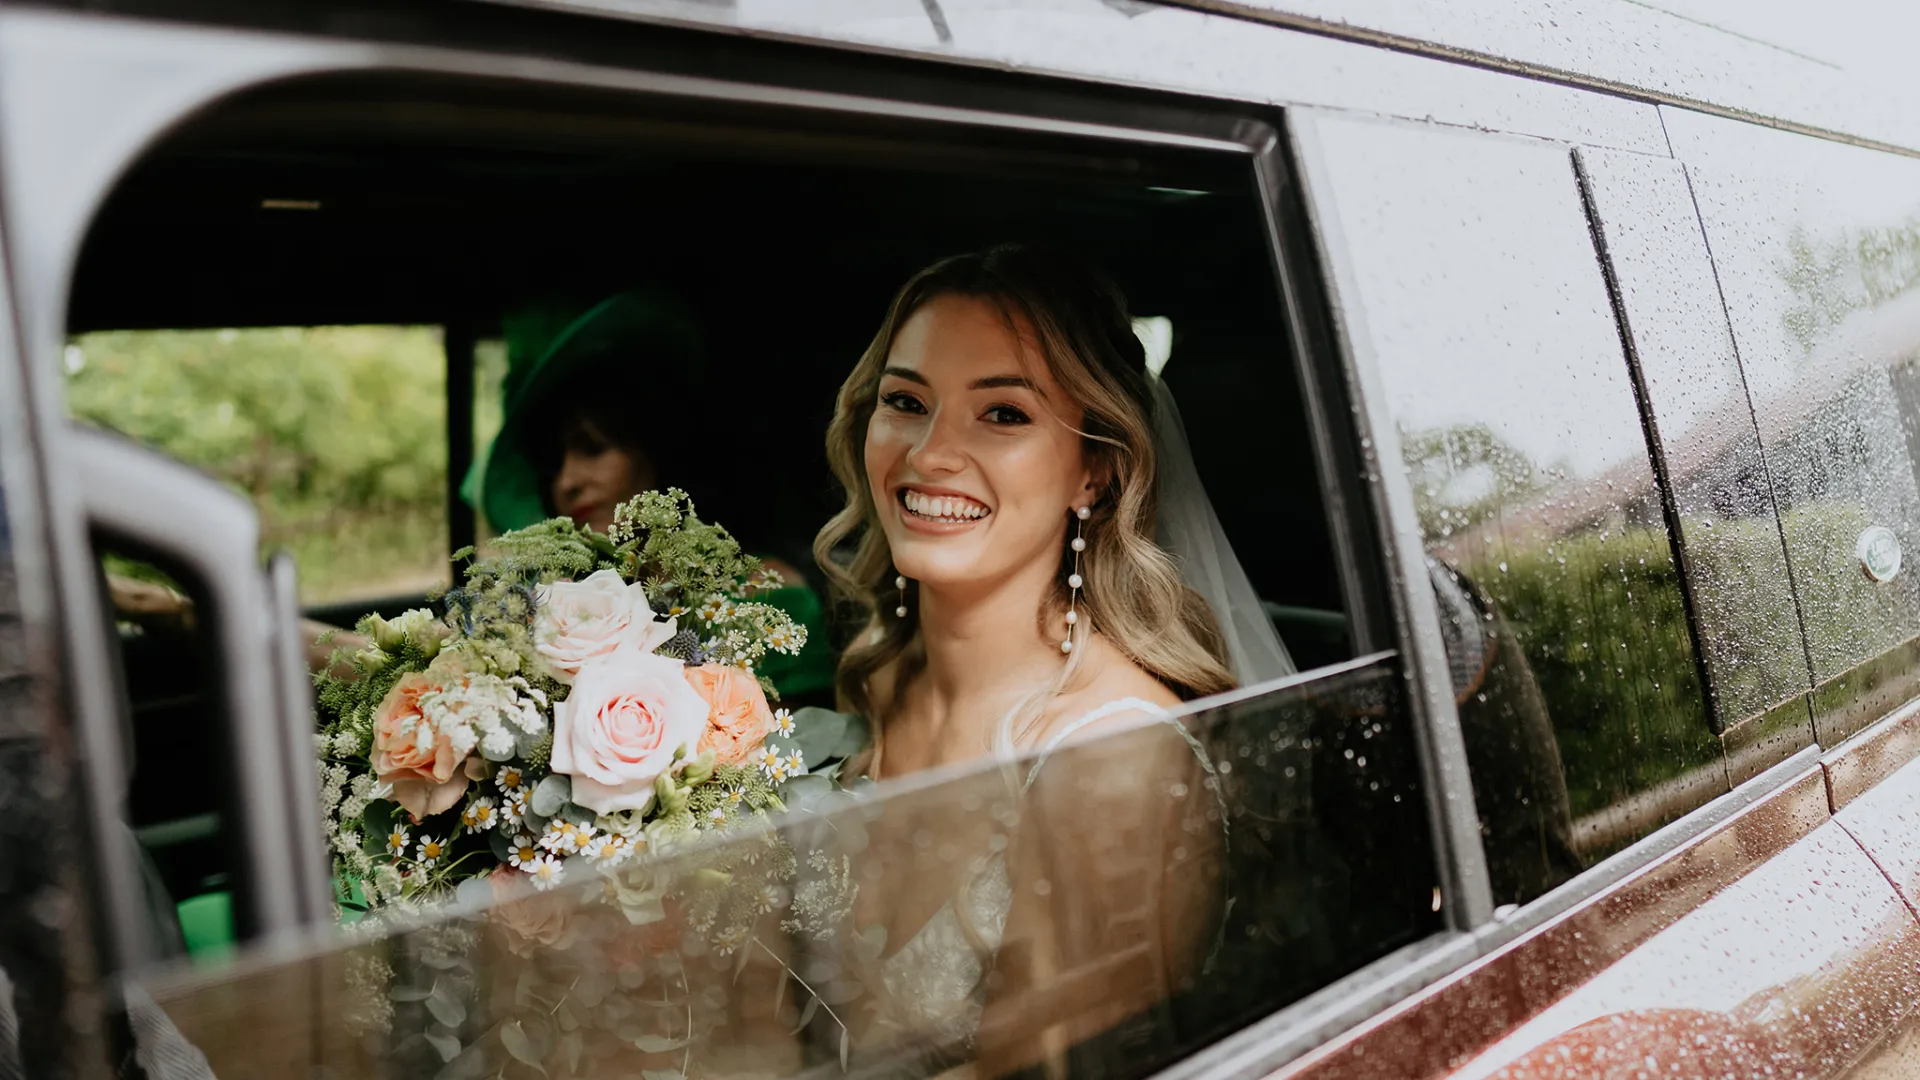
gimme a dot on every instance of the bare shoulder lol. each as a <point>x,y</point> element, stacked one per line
<point>1107,676</point>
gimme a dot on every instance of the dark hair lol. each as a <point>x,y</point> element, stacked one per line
<point>644,409</point>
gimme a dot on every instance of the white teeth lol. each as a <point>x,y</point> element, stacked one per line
<point>942,507</point>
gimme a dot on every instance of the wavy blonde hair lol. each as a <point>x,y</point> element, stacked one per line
<point>1132,592</point>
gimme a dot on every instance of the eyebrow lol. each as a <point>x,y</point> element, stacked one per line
<point>988,383</point>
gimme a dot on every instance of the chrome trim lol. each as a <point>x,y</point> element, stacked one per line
<point>157,505</point>
<point>313,885</point>
<point>1447,780</point>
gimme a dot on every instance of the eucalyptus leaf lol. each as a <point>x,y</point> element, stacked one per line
<point>474,892</point>
<point>526,742</point>
<point>446,1009</point>
<point>501,842</point>
<point>658,1044</point>
<point>805,792</point>
<point>578,815</point>
<point>550,794</point>
<point>470,1064</point>
<point>570,1046</point>
<point>806,1013</point>
<point>409,993</point>
<point>446,1046</point>
<point>661,1074</point>
<point>376,821</point>
<point>817,732</point>
<point>840,993</point>
<point>517,1044</point>
<point>844,1046</point>
<point>856,736</point>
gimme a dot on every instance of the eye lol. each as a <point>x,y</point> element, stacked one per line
<point>901,401</point>
<point>1006,414</point>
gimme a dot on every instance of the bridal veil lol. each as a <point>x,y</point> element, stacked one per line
<point>1190,530</point>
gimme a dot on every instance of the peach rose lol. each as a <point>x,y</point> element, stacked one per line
<point>581,621</point>
<point>619,727</point>
<point>531,919</point>
<point>738,717</point>
<point>417,760</point>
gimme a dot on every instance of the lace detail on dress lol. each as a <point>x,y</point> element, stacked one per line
<point>934,980</point>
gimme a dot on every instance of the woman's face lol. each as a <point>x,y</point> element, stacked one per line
<point>970,455</point>
<point>596,475</point>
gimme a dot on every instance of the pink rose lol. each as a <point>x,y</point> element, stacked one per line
<point>579,621</point>
<point>410,754</point>
<point>532,919</point>
<point>619,727</point>
<point>737,714</point>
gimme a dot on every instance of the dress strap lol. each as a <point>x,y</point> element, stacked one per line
<point>1111,708</point>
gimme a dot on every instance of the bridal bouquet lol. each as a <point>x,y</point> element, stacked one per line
<point>587,705</point>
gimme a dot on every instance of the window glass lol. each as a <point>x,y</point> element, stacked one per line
<point>1736,563</point>
<point>1136,896</point>
<point>1478,299</point>
<point>1815,244</point>
<point>337,434</point>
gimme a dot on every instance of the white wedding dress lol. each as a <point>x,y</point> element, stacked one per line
<point>934,981</point>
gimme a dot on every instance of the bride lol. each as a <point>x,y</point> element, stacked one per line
<point>1005,453</point>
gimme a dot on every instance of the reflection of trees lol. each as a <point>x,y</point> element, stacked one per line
<point>1855,271</point>
<point>1463,475</point>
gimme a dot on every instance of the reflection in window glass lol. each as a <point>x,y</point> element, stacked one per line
<point>337,434</point>
<point>1723,500</point>
<point>1818,250</point>
<point>1481,302</point>
<point>1107,909</point>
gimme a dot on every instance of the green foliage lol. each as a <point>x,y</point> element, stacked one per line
<point>1601,621</point>
<point>337,434</point>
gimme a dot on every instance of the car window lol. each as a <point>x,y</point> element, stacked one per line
<point>1476,296</point>
<point>1814,243</point>
<point>336,433</point>
<point>1722,483</point>
<point>1277,840</point>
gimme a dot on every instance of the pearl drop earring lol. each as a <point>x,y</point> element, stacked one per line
<point>1074,580</point>
<point>900,582</point>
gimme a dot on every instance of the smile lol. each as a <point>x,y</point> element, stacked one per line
<point>945,509</point>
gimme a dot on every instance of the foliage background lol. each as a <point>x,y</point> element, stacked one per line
<point>337,434</point>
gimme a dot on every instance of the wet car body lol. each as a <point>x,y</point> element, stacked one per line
<point>1685,849</point>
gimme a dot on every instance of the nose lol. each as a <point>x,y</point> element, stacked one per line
<point>568,482</point>
<point>940,449</point>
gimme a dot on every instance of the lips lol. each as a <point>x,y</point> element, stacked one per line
<point>945,508</point>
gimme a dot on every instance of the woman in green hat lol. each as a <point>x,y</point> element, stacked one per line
<point>601,407</point>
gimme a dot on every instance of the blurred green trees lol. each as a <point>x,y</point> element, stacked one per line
<point>337,434</point>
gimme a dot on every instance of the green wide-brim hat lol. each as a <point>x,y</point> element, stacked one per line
<point>545,350</point>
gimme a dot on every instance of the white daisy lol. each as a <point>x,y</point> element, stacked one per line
<point>796,764</point>
<point>729,942</point>
<point>783,721</point>
<point>524,853</point>
<point>510,778</point>
<point>546,871</point>
<point>735,796</point>
<point>397,841</point>
<point>768,760</point>
<point>716,609</point>
<point>595,847</point>
<point>513,809</point>
<point>563,836</point>
<point>717,815</point>
<point>479,816</point>
<point>614,849</point>
<point>768,898</point>
<point>430,851</point>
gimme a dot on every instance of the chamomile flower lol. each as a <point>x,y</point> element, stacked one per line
<point>596,846</point>
<point>397,841</point>
<point>614,849</point>
<point>783,722</point>
<point>510,778</point>
<point>735,796</point>
<point>730,940</point>
<point>716,609</point>
<point>479,816</point>
<point>524,853</point>
<point>546,871</point>
<point>564,836</point>
<point>767,898</point>
<point>767,760</point>
<point>717,815</point>
<point>513,809</point>
<point>796,763</point>
<point>781,640</point>
<point>430,851</point>
<point>779,771</point>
